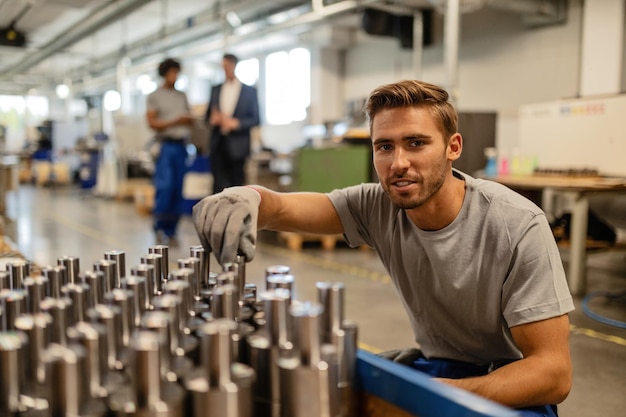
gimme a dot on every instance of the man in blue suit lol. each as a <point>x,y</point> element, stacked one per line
<point>232,111</point>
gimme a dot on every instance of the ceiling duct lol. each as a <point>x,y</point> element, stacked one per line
<point>534,12</point>
<point>100,18</point>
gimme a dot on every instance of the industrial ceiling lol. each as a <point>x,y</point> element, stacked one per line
<point>78,40</point>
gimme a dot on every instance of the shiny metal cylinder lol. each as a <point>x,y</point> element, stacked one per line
<point>95,280</point>
<point>235,273</point>
<point>266,348</point>
<point>180,342</point>
<point>216,351</point>
<point>58,309</point>
<point>110,316</point>
<point>277,318</point>
<point>109,269</point>
<point>137,290</point>
<point>18,270</point>
<point>308,380</point>
<point>162,250</point>
<point>240,260</point>
<point>276,270</point>
<point>159,322</point>
<point>146,271</point>
<point>37,329</point>
<point>79,294</point>
<point>120,264</point>
<point>181,288</point>
<point>195,280</point>
<point>64,379</point>
<point>12,304</point>
<point>72,268</point>
<point>205,263</point>
<point>331,295</point>
<point>225,302</point>
<point>148,396</point>
<point>221,388</point>
<point>11,344</point>
<point>284,281</point>
<point>155,260</point>
<point>173,368</point>
<point>57,278</point>
<point>92,337</point>
<point>36,291</point>
<point>306,322</point>
<point>123,300</point>
<point>346,357</point>
<point>226,278</point>
<point>250,293</point>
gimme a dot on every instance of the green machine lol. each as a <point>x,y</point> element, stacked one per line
<point>325,169</point>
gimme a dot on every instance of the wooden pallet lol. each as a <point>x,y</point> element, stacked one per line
<point>296,240</point>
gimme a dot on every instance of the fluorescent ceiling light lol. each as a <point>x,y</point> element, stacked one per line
<point>233,19</point>
<point>63,91</point>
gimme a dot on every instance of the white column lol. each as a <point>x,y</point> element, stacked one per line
<point>451,36</point>
<point>418,39</point>
<point>602,47</point>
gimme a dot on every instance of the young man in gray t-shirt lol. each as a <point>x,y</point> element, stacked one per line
<point>475,264</point>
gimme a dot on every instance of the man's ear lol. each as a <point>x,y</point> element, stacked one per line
<point>455,147</point>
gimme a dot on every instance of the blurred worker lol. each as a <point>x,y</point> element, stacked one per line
<point>169,115</point>
<point>475,264</point>
<point>232,111</point>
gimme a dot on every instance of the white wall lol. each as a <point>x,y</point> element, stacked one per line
<point>502,64</point>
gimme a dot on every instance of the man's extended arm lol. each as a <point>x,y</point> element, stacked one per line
<point>297,212</point>
<point>227,222</point>
<point>543,376</point>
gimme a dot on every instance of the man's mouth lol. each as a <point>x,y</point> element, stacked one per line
<point>402,183</point>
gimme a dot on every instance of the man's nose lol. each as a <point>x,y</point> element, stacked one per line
<point>400,161</point>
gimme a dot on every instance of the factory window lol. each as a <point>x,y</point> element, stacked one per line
<point>288,86</point>
<point>248,71</point>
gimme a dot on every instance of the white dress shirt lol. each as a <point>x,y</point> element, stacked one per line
<point>229,96</point>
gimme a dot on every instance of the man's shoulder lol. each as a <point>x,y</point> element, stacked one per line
<point>369,194</point>
<point>494,193</point>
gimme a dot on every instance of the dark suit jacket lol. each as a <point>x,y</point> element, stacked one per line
<point>237,142</point>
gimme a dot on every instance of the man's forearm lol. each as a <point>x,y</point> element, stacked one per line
<point>297,212</point>
<point>524,383</point>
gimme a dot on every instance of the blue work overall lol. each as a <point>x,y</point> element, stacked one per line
<point>168,183</point>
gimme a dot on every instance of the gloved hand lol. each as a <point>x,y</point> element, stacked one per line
<point>403,356</point>
<point>226,223</point>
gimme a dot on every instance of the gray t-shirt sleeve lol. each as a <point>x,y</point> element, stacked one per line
<point>352,204</point>
<point>535,288</point>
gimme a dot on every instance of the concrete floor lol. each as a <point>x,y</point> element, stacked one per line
<point>48,223</point>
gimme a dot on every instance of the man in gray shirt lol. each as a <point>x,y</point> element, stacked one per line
<point>169,116</point>
<point>475,264</point>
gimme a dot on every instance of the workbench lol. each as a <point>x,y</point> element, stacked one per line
<point>389,389</point>
<point>578,189</point>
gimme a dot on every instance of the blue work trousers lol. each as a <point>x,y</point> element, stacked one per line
<point>443,368</point>
<point>168,184</point>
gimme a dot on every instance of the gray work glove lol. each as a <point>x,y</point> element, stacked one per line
<point>403,356</point>
<point>226,223</point>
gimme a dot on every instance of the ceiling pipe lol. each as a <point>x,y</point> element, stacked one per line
<point>311,18</point>
<point>178,34</point>
<point>541,7</point>
<point>100,18</point>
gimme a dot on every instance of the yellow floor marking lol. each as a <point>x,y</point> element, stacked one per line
<point>597,335</point>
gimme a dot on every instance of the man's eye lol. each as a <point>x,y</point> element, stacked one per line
<point>384,147</point>
<point>417,143</point>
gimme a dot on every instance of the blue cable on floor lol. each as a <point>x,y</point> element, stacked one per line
<point>597,317</point>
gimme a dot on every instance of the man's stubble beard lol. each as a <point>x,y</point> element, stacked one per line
<point>425,189</point>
